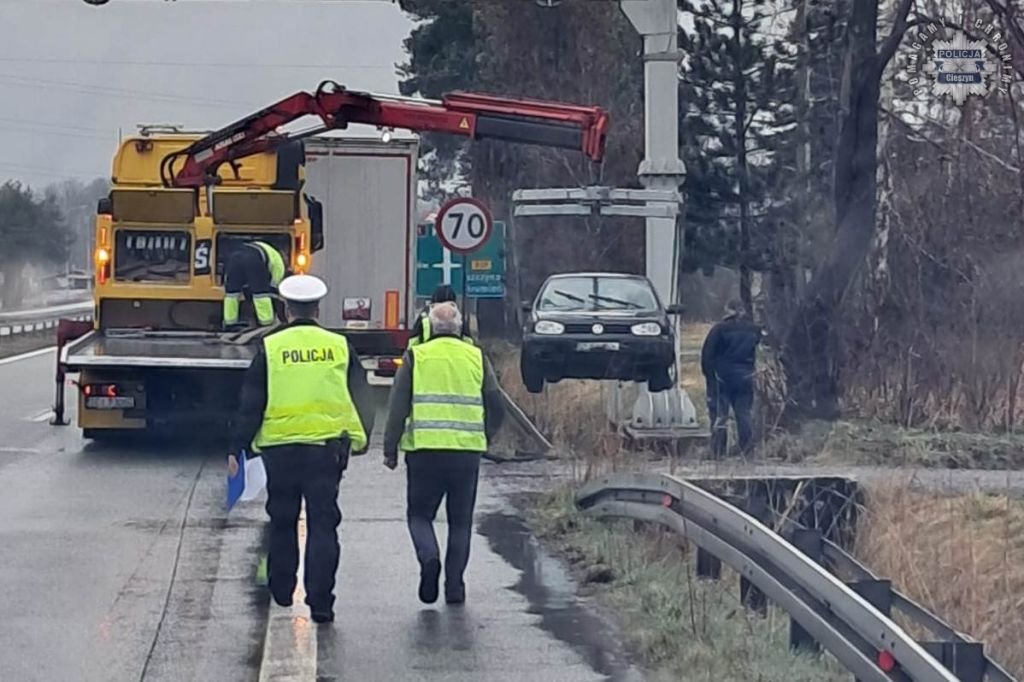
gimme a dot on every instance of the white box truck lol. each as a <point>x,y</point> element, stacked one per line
<point>367,189</point>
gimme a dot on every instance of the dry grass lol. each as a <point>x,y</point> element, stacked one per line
<point>960,556</point>
<point>680,627</point>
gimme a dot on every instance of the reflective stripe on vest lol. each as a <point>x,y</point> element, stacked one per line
<point>447,400</point>
<point>308,400</point>
<point>274,260</point>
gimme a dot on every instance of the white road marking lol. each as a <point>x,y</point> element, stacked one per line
<point>30,451</point>
<point>289,647</point>
<point>26,356</point>
<point>40,416</point>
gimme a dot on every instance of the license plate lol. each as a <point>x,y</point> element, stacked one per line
<point>598,345</point>
<point>105,403</point>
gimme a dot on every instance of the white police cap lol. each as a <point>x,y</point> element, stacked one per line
<point>302,288</point>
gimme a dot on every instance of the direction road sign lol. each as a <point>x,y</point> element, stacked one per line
<point>463,225</point>
<point>485,269</point>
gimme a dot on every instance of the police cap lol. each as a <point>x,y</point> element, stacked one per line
<point>302,288</point>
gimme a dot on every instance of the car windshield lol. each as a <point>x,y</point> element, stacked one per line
<point>592,294</point>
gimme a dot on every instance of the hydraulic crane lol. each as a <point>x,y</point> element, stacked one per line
<point>474,116</point>
<point>152,353</point>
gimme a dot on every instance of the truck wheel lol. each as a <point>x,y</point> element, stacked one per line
<point>660,380</point>
<point>533,378</point>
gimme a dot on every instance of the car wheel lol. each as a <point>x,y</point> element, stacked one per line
<point>533,378</point>
<point>660,380</point>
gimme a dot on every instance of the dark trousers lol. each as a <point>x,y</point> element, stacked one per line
<point>735,391</point>
<point>246,272</point>
<point>313,473</point>
<point>431,476</point>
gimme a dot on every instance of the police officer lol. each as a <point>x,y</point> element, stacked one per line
<point>305,406</point>
<point>443,293</point>
<point>255,269</point>
<point>444,407</point>
<point>727,362</point>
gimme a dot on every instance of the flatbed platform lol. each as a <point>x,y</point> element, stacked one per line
<point>182,351</point>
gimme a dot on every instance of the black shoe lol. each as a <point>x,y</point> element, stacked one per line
<point>455,595</point>
<point>281,601</point>
<point>430,572</point>
<point>322,615</point>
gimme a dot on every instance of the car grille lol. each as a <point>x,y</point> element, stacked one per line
<point>586,328</point>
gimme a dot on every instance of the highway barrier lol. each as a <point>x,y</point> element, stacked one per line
<point>19,322</point>
<point>848,619</point>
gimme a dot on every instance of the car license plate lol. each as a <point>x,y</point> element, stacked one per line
<point>105,403</point>
<point>598,345</point>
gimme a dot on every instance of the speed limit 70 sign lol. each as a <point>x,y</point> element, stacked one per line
<point>463,225</point>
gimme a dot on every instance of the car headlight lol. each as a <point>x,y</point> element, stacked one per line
<point>548,327</point>
<point>646,329</point>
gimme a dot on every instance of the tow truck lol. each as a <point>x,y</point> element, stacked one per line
<point>154,354</point>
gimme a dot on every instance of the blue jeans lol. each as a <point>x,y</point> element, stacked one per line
<point>736,392</point>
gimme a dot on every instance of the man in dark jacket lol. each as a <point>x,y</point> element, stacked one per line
<point>445,407</point>
<point>443,293</point>
<point>727,362</point>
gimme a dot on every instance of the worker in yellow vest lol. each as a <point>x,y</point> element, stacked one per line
<point>444,293</point>
<point>254,269</point>
<point>444,407</point>
<point>305,406</point>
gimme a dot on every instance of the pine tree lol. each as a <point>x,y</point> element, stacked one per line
<point>737,121</point>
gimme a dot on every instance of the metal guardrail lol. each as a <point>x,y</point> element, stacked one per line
<point>837,617</point>
<point>839,560</point>
<point>18,322</point>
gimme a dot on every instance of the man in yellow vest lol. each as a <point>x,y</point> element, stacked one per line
<point>305,406</point>
<point>444,407</point>
<point>254,269</point>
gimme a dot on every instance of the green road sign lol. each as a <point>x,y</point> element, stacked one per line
<point>484,269</point>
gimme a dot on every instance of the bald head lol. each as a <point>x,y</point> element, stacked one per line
<point>445,318</point>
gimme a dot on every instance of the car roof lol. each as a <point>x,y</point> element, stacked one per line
<point>606,275</point>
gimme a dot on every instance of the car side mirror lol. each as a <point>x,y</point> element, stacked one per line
<point>526,306</point>
<point>675,309</point>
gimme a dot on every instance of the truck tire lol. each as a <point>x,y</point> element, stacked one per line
<point>533,378</point>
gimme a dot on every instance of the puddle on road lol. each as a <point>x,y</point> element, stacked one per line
<point>551,592</point>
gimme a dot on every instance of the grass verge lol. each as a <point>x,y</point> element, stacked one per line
<point>960,556</point>
<point>678,626</point>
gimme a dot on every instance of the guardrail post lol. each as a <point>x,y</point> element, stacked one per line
<point>810,542</point>
<point>878,593</point>
<point>708,565</point>
<point>966,660</point>
<point>752,598</point>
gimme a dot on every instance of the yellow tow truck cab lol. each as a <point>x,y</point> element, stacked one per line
<point>156,353</point>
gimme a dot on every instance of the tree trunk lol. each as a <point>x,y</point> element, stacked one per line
<point>810,353</point>
<point>739,90</point>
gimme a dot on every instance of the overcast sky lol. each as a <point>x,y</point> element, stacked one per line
<point>71,75</point>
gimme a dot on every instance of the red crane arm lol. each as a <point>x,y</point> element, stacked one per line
<point>474,116</point>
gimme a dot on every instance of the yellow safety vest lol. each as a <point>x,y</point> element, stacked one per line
<point>447,398</point>
<point>275,262</point>
<point>308,400</point>
<point>425,335</point>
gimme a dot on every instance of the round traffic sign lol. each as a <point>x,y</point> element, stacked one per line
<point>463,225</point>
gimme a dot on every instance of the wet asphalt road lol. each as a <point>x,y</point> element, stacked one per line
<point>120,563</point>
<point>89,539</point>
